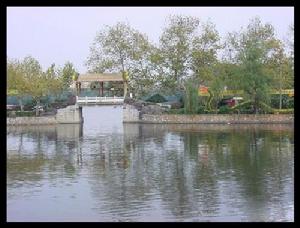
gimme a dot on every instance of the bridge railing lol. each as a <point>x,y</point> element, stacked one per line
<point>99,99</point>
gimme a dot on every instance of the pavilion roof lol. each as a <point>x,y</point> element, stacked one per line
<point>104,77</point>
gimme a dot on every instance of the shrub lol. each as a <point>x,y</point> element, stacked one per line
<point>287,102</point>
<point>157,98</point>
<point>265,108</point>
<point>284,111</point>
<point>23,114</point>
<point>224,110</point>
<point>244,107</point>
<point>176,111</point>
<point>201,110</point>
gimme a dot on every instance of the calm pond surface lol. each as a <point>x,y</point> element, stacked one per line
<point>109,171</point>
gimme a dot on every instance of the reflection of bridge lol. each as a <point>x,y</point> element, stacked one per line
<point>99,100</point>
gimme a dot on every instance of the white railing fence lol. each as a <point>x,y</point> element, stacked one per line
<point>99,100</point>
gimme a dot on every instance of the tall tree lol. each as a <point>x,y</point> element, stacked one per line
<point>120,48</point>
<point>175,48</point>
<point>37,83</point>
<point>16,84</point>
<point>252,48</point>
<point>54,79</point>
<point>68,72</point>
<point>205,64</point>
<point>279,66</point>
<point>204,53</point>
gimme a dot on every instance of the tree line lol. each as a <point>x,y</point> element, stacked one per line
<point>191,52</point>
<point>26,78</point>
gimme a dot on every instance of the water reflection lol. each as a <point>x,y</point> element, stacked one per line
<point>148,172</point>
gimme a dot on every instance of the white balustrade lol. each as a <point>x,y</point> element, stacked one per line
<point>99,100</point>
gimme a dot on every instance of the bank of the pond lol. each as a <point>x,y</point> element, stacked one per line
<point>69,115</point>
<point>133,115</point>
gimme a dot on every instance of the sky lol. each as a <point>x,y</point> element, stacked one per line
<point>61,34</point>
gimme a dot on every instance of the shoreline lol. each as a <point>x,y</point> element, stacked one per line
<point>211,119</point>
<point>69,115</point>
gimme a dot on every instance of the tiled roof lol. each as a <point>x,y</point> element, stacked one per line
<point>105,77</point>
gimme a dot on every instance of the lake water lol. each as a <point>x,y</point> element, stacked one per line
<point>109,171</point>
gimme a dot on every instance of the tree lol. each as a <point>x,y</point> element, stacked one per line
<point>120,48</point>
<point>68,72</point>
<point>205,64</point>
<point>252,49</point>
<point>280,68</point>
<point>290,40</point>
<point>36,79</point>
<point>175,49</point>
<point>38,83</point>
<point>28,71</point>
<point>55,80</point>
<point>191,98</point>
<point>204,53</point>
<point>16,85</point>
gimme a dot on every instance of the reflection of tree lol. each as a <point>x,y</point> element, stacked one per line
<point>255,164</point>
<point>118,175</point>
<point>50,154</point>
<point>23,170</point>
<point>186,171</point>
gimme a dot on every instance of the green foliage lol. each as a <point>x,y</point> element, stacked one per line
<point>204,53</point>
<point>287,102</point>
<point>175,48</point>
<point>265,108</point>
<point>68,74</point>
<point>284,111</point>
<point>253,48</point>
<point>244,107</point>
<point>191,99</point>
<point>187,56</point>
<point>157,98</point>
<point>201,110</point>
<point>177,111</point>
<point>224,110</point>
<point>120,48</point>
<point>20,113</point>
<point>27,79</point>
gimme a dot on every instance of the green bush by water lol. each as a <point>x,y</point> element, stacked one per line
<point>157,98</point>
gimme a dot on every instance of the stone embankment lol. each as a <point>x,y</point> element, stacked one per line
<point>69,115</point>
<point>139,113</point>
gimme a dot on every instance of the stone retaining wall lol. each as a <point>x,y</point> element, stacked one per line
<point>71,115</point>
<point>218,118</point>
<point>132,115</point>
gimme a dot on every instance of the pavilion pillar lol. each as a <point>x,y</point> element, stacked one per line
<point>102,89</point>
<point>78,88</point>
<point>125,88</point>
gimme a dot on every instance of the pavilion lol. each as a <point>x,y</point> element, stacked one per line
<point>117,80</point>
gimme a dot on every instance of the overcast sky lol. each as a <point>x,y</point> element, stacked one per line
<point>60,34</point>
